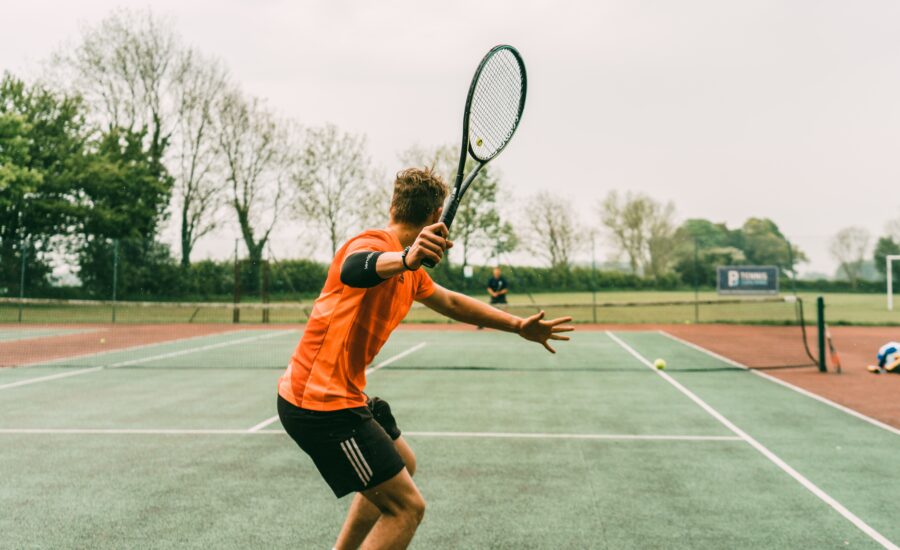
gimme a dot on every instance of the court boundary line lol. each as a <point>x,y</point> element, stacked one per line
<point>87,370</point>
<point>451,435</point>
<point>798,389</point>
<point>52,362</point>
<point>65,332</point>
<point>762,449</point>
<point>369,370</point>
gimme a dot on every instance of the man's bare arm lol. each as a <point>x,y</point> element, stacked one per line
<point>460,307</point>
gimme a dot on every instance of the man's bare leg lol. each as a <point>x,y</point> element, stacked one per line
<point>363,513</point>
<point>402,508</point>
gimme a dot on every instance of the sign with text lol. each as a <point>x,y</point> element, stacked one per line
<point>747,279</point>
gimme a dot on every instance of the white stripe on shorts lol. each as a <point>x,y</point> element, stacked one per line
<point>362,458</point>
<point>352,458</point>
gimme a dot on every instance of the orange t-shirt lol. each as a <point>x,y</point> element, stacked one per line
<point>347,328</point>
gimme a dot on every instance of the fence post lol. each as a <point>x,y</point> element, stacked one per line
<point>696,285</point>
<point>115,281</point>
<point>265,291</point>
<point>593,279</point>
<point>791,266</point>
<point>236,314</point>
<point>823,358</point>
<point>23,252</point>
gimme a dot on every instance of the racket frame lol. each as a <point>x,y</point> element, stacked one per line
<point>463,181</point>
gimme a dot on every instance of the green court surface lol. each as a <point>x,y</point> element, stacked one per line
<point>176,445</point>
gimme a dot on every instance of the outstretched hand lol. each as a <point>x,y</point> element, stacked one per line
<point>534,328</point>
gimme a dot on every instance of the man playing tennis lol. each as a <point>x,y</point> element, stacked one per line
<point>371,284</point>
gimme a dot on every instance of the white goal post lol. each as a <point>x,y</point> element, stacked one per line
<point>890,259</point>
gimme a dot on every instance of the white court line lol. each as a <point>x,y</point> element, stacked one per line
<point>131,348</point>
<point>810,486</point>
<point>263,424</point>
<point>143,359</point>
<point>370,370</point>
<point>611,437</point>
<point>395,358</point>
<point>797,389</point>
<point>487,435</point>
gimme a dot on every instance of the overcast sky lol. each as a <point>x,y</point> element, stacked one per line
<point>784,109</point>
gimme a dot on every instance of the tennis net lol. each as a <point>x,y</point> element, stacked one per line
<point>82,333</point>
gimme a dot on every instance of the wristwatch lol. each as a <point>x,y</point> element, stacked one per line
<point>403,259</point>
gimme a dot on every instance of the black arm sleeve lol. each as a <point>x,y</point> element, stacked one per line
<point>358,270</point>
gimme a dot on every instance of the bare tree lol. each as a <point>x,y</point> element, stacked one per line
<point>848,247</point>
<point>478,222</point>
<point>625,223</point>
<point>641,228</point>
<point>199,186</point>
<point>330,180</point>
<point>135,73</point>
<point>552,229</point>
<point>661,239</point>
<point>374,208</point>
<point>123,68</point>
<point>257,168</point>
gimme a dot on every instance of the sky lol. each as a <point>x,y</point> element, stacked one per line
<point>779,109</point>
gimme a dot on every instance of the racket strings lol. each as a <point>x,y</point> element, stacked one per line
<point>496,105</point>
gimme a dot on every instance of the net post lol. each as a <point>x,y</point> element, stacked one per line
<point>23,252</point>
<point>115,281</point>
<point>236,312</point>
<point>820,309</point>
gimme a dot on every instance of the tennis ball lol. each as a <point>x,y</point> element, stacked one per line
<point>660,364</point>
<point>103,340</point>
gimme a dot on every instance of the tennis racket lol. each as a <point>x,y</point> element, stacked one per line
<point>494,108</point>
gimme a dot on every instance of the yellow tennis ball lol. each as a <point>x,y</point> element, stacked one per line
<point>660,364</point>
<point>103,340</point>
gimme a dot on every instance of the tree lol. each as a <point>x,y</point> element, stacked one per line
<point>764,244</point>
<point>42,155</point>
<point>330,179</point>
<point>885,247</point>
<point>124,67</point>
<point>124,203</point>
<point>478,223</point>
<point>662,241</point>
<point>848,247</point>
<point>199,187</point>
<point>553,230</point>
<point>257,169</point>
<point>374,208</point>
<point>642,228</point>
<point>137,76</point>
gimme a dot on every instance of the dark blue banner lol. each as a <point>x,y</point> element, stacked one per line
<point>746,279</point>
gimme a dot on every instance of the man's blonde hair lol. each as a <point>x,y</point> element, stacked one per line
<point>418,192</point>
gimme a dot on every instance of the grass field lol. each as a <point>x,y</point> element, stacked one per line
<point>517,448</point>
<point>842,308</point>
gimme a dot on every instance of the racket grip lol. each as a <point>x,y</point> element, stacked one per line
<point>446,219</point>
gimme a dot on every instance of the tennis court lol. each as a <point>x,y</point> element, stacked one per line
<point>175,444</point>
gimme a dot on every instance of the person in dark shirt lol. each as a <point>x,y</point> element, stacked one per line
<point>497,287</point>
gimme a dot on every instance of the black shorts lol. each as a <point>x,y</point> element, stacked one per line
<point>351,448</point>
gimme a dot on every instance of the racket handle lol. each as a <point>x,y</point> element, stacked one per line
<point>446,219</point>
